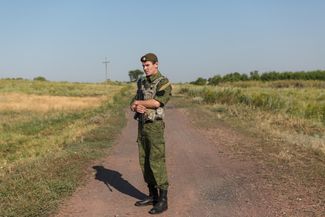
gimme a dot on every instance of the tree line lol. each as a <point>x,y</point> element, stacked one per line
<point>266,76</point>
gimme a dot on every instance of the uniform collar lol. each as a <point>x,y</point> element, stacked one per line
<point>151,78</point>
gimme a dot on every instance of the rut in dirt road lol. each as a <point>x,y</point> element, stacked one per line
<point>204,181</point>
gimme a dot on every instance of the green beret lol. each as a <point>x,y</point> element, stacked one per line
<point>149,57</point>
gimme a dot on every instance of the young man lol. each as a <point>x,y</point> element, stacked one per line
<point>154,91</point>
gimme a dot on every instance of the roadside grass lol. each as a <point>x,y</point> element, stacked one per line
<point>305,104</point>
<point>296,115</point>
<point>289,149</point>
<point>44,152</point>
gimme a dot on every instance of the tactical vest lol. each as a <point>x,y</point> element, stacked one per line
<point>149,92</point>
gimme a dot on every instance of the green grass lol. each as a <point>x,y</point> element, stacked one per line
<point>305,103</point>
<point>295,115</point>
<point>44,154</point>
<point>26,134</point>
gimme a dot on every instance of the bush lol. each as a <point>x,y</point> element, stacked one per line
<point>215,80</point>
<point>39,78</point>
<point>200,81</point>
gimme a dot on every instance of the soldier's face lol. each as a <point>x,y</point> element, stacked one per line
<point>150,68</point>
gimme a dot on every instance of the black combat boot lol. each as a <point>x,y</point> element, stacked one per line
<point>162,204</point>
<point>151,200</point>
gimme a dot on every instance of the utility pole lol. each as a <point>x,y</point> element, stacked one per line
<point>106,62</point>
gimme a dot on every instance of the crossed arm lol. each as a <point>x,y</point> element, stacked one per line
<point>140,106</point>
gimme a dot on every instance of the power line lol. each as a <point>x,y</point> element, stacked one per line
<point>106,68</point>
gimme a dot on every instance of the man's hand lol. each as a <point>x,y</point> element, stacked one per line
<point>140,109</point>
<point>133,107</point>
<point>137,107</point>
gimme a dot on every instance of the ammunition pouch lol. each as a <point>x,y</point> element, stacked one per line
<point>154,114</point>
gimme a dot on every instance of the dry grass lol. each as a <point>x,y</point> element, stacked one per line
<point>38,103</point>
<point>291,130</point>
<point>32,125</point>
<point>294,115</point>
<point>47,141</point>
<point>308,103</point>
<point>42,144</point>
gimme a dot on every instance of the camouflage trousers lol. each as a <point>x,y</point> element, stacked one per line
<point>152,159</point>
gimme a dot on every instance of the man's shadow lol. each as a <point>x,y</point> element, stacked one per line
<point>112,178</point>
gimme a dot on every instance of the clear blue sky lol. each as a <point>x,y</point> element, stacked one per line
<point>67,40</point>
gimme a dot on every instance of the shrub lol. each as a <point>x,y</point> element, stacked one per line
<point>200,81</point>
<point>39,78</point>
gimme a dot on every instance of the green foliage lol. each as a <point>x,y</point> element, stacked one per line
<point>312,75</point>
<point>254,75</point>
<point>209,96</point>
<point>135,74</point>
<point>215,80</point>
<point>200,81</point>
<point>40,78</point>
<point>266,76</point>
<point>234,77</point>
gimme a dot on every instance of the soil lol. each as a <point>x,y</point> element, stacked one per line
<point>206,177</point>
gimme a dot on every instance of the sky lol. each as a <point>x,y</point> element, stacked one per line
<point>68,40</point>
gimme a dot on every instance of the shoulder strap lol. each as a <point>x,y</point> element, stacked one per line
<point>164,86</point>
<point>156,82</point>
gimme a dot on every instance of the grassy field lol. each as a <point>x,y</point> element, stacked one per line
<point>296,114</point>
<point>49,130</point>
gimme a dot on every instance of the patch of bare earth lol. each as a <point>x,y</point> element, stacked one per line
<point>207,177</point>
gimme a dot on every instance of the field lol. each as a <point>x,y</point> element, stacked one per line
<point>48,131</point>
<point>294,111</point>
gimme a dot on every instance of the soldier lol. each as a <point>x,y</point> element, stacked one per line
<point>154,91</point>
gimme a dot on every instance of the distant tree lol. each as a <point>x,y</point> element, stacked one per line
<point>300,76</point>
<point>215,80</point>
<point>200,81</point>
<point>318,75</point>
<point>254,75</point>
<point>232,77</point>
<point>135,74</point>
<point>39,78</point>
<point>270,76</point>
<point>243,77</point>
<point>266,76</point>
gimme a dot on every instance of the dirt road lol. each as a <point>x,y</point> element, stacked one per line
<point>205,178</point>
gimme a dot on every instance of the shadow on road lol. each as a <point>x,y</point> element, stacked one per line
<point>112,178</point>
